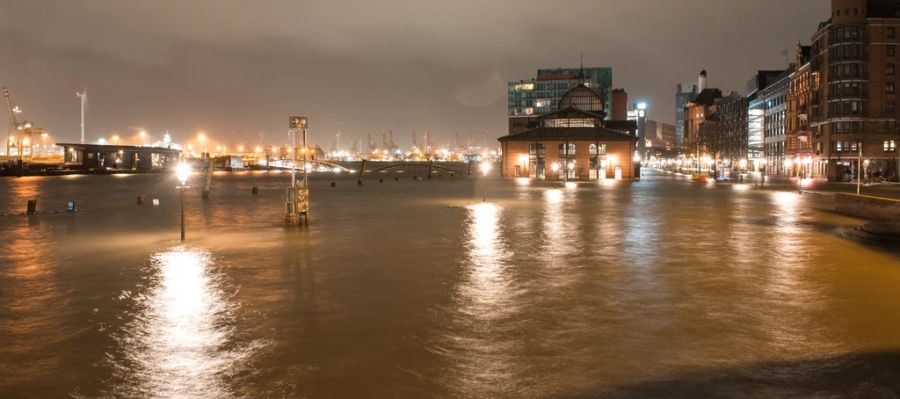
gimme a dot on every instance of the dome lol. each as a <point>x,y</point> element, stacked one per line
<point>583,98</point>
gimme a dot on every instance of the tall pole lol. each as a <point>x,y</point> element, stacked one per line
<point>182,211</point>
<point>305,174</point>
<point>859,170</point>
<point>294,166</point>
<point>484,187</point>
<point>83,96</point>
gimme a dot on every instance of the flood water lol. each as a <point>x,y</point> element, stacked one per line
<point>656,288</point>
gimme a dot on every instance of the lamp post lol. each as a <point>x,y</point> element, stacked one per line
<point>202,138</point>
<point>485,168</point>
<point>859,171</point>
<point>182,171</point>
<point>142,134</point>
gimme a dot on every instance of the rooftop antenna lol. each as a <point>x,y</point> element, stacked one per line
<point>581,70</point>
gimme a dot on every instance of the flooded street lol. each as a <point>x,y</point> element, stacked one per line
<point>408,288</point>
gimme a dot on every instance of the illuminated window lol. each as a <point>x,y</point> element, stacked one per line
<point>890,146</point>
<point>889,87</point>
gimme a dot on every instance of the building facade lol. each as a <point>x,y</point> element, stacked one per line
<point>854,57</point>
<point>798,142</point>
<point>541,95</point>
<point>684,92</point>
<point>102,158</point>
<point>695,113</point>
<point>727,140</point>
<point>774,103</point>
<point>756,109</point>
<point>572,143</point>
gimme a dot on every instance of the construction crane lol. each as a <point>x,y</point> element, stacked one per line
<point>19,134</point>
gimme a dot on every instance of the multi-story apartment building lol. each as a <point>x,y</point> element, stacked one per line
<point>798,143</point>
<point>727,140</point>
<point>854,108</point>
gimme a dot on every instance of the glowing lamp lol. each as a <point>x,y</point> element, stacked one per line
<point>485,168</point>
<point>182,171</point>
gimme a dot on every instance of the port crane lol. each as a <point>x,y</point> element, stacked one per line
<point>20,134</point>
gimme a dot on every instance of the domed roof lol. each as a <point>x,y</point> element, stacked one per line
<point>583,98</point>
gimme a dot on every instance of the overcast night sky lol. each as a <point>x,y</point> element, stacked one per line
<point>237,68</point>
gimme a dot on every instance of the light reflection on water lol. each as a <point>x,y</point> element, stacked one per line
<point>479,335</point>
<point>397,290</point>
<point>179,342</point>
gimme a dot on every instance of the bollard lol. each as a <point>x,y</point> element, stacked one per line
<point>396,179</point>
<point>359,182</point>
<point>255,190</point>
<point>32,207</point>
<point>333,184</point>
<point>140,200</point>
<point>70,206</point>
<point>381,180</point>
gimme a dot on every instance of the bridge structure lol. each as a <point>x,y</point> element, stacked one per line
<point>364,167</point>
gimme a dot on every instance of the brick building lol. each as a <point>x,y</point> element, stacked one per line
<point>853,109</point>
<point>573,143</point>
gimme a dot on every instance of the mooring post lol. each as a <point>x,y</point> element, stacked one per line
<point>209,173</point>
<point>362,171</point>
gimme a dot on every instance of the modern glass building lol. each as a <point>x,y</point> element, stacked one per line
<point>541,95</point>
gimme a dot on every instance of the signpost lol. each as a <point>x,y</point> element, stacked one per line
<point>297,203</point>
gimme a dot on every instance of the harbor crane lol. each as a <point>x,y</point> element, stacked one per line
<point>20,134</point>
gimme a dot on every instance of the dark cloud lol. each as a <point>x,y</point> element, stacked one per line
<point>239,68</point>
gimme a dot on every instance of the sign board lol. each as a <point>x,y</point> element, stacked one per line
<point>298,122</point>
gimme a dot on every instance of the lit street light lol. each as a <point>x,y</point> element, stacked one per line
<point>485,168</point>
<point>115,140</point>
<point>182,172</point>
<point>142,134</point>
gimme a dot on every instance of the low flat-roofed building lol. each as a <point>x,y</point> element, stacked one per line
<point>106,158</point>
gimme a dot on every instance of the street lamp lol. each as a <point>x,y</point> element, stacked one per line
<point>142,134</point>
<point>182,172</point>
<point>202,138</point>
<point>485,168</point>
<point>115,140</point>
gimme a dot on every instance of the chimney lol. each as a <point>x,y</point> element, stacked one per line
<point>701,84</point>
<point>619,108</point>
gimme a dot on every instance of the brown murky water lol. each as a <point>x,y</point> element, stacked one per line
<point>657,288</point>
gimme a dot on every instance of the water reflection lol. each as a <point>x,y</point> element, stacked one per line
<point>479,343</point>
<point>175,346</point>
<point>487,279</point>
